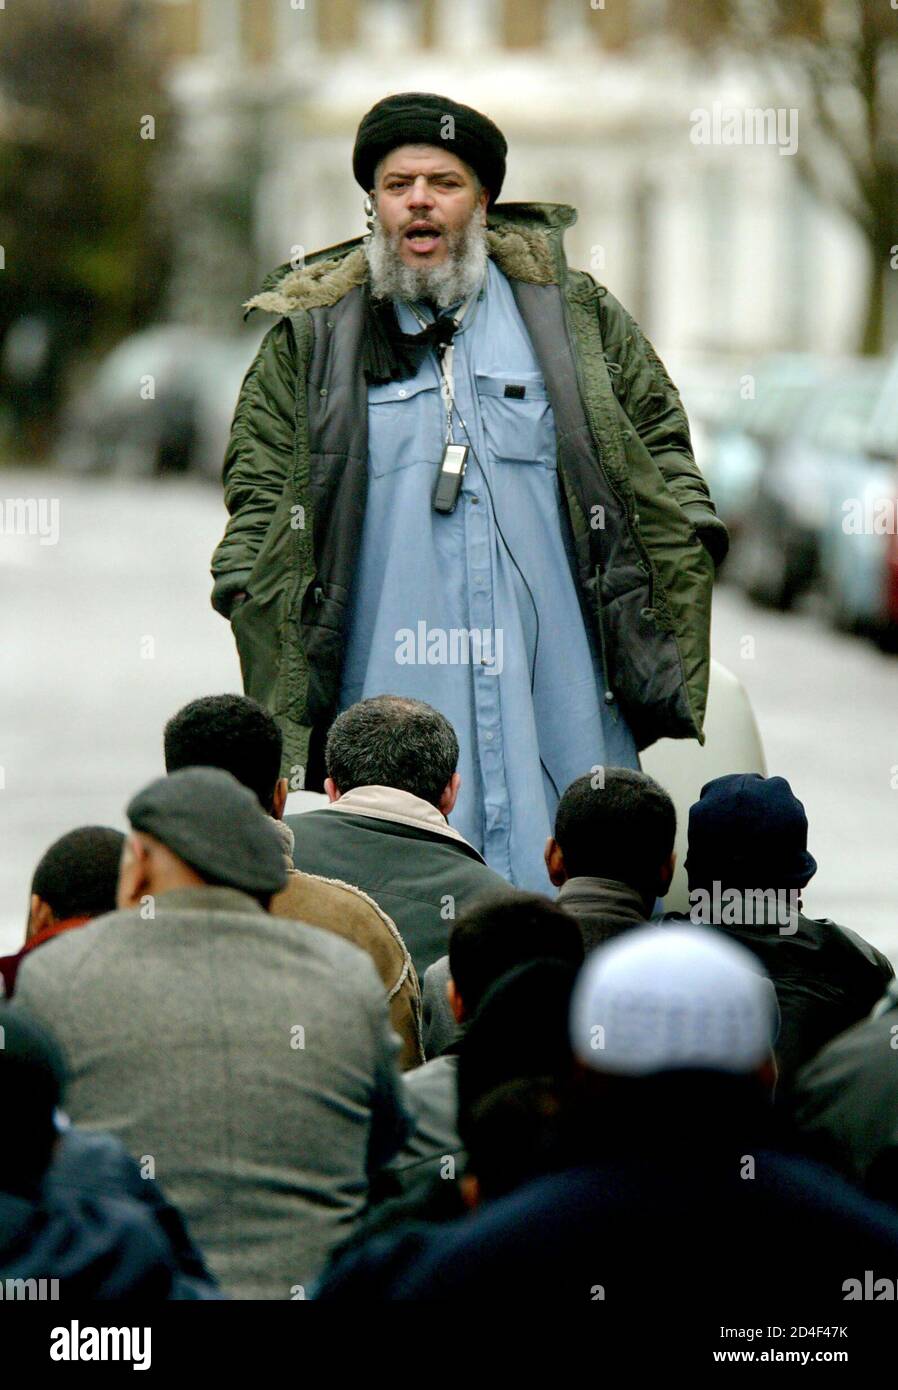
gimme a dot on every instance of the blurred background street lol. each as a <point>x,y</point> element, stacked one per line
<point>735,169</point>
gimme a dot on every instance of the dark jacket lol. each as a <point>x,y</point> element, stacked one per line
<point>603,907</point>
<point>826,978</point>
<point>295,479</point>
<point>675,1231</point>
<point>348,912</point>
<point>845,1102</point>
<point>419,1201</point>
<point>88,1166</point>
<point>97,1247</point>
<point>421,876</point>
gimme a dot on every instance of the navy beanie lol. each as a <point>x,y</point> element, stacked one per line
<point>749,831</point>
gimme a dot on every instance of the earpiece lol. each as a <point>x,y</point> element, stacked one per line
<point>369,214</point>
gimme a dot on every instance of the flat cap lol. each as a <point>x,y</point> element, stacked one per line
<point>216,825</point>
<point>423,118</point>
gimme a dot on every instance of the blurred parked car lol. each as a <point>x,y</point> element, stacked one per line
<point>857,544</point>
<point>160,402</point>
<point>764,403</point>
<point>791,511</point>
<point>889,633</point>
<point>706,387</point>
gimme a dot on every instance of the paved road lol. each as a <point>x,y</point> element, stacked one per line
<point>826,707</point>
<point>108,632</point>
<point>103,636</point>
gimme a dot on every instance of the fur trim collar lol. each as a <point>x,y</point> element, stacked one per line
<point>285,835</point>
<point>519,251</point>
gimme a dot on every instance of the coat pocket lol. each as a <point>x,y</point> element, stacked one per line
<point>257,629</point>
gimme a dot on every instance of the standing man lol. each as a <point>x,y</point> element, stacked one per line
<point>459,472</point>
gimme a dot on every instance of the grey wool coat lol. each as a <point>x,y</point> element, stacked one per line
<point>248,1057</point>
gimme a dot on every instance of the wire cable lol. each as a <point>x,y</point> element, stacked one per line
<point>511,556</point>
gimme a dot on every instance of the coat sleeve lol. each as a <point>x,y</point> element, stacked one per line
<point>391,1122</point>
<point>654,407</point>
<point>258,461</point>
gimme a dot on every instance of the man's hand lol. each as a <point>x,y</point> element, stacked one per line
<point>715,539</point>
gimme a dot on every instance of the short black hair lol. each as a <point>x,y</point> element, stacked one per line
<point>498,932</point>
<point>620,824</point>
<point>519,1132</point>
<point>520,1033</point>
<point>232,732</point>
<point>78,874</point>
<point>392,741</point>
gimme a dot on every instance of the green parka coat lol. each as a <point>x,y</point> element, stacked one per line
<point>295,480</point>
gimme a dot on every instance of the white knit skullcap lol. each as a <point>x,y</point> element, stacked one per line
<point>672,998</point>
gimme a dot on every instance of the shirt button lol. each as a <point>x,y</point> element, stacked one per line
<point>402,392</point>
<point>474,500</point>
<point>323,391</point>
<point>488,737</point>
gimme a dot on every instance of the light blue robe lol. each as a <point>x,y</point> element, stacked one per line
<point>422,576</point>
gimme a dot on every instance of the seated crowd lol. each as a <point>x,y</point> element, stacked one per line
<point>336,1056</point>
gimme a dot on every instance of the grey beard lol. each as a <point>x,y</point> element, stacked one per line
<point>458,277</point>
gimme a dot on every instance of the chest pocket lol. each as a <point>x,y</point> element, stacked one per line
<point>405,424</point>
<point>517,418</point>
